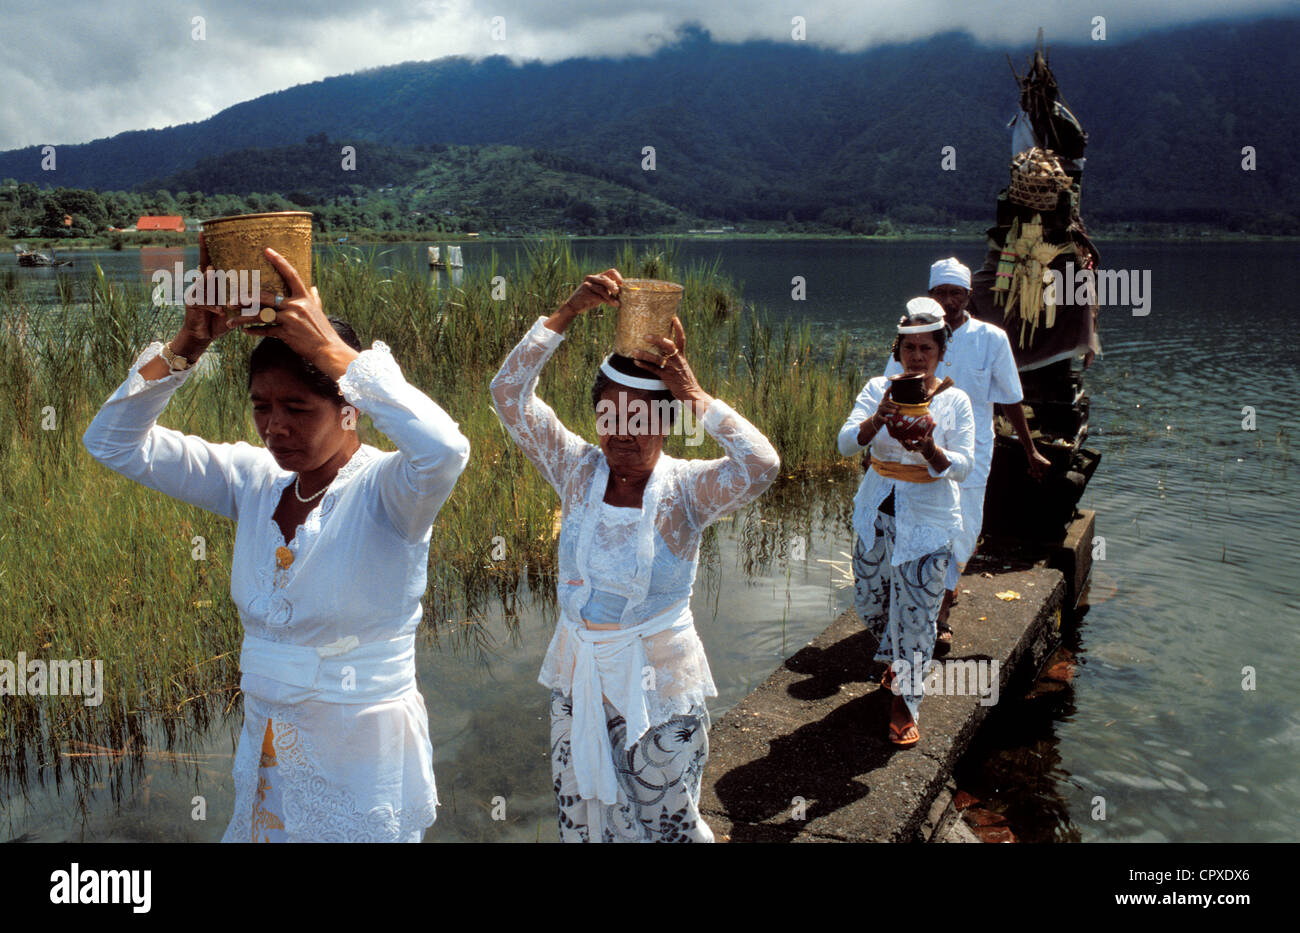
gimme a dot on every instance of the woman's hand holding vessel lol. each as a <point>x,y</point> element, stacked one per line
<point>671,367</point>
<point>595,290</point>
<point>872,426</point>
<point>928,449</point>
<point>202,324</point>
<point>300,322</point>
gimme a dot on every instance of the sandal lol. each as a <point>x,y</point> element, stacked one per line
<point>904,736</point>
<point>943,637</point>
<point>887,678</point>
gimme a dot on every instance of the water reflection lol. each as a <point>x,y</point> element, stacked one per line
<point>166,258</point>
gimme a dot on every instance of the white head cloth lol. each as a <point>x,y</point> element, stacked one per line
<point>949,272</point>
<point>927,315</point>
<point>635,382</point>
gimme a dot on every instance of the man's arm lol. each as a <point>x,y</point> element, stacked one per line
<point>1038,464</point>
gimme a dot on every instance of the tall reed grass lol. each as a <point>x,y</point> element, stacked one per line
<point>94,566</point>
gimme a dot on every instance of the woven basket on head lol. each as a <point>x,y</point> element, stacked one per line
<point>645,308</point>
<point>1037,179</point>
<point>235,243</point>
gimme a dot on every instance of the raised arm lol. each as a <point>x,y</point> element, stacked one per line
<point>751,464</point>
<point>714,487</point>
<point>552,448</point>
<point>125,437</point>
<point>432,452</point>
<point>534,426</point>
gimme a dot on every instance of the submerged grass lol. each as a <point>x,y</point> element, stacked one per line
<point>95,566</point>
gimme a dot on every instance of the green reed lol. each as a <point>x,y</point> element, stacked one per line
<point>95,566</point>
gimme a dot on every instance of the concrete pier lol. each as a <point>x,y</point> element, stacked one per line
<point>806,756</point>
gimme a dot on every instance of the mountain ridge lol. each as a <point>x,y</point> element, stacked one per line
<point>768,130</point>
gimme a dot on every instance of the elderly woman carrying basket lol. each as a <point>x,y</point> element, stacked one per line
<point>907,510</point>
<point>626,668</point>
<point>330,556</point>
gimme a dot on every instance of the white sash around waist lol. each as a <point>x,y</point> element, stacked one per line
<point>344,671</point>
<point>610,663</point>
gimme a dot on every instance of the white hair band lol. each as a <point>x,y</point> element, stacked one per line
<point>920,328</point>
<point>633,382</point>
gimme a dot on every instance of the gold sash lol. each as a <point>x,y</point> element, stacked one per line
<point>907,472</point>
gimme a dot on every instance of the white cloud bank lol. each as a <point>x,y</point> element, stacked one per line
<point>76,71</point>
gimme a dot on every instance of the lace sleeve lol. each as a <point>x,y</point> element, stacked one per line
<point>534,426</point>
<point>717,487</point>
<point>432,451</point>
<point>125,437</point>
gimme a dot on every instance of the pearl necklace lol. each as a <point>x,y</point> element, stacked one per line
<point>297,491</point>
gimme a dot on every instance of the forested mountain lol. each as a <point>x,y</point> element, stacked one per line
<point>483,187</point>
<point>773,130</point>
<point>430,188</point>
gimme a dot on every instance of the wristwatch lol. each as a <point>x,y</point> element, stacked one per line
<point>175,361</point>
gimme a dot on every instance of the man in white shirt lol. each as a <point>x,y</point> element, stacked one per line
<point>978,358</point>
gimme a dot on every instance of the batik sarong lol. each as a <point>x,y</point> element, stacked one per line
<point>658,780</point>
<point>899,606</point>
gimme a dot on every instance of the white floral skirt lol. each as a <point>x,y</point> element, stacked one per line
<point>333,773</point>
<point>658,780</point>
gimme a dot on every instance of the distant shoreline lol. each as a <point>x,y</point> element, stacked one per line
<point>190,240</point>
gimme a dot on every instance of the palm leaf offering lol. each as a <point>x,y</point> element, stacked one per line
<point>1023,277</point>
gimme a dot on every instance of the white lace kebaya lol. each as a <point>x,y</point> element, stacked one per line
<point>657,631</point>
<point>329,648</point>
<point>928,514</point>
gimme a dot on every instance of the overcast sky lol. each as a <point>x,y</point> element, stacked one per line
<point>77,70</point>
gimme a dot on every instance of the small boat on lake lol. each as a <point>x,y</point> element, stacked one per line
<point>453,260</point>
<point>32,259</point>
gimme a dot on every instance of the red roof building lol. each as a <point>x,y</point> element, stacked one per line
<point>161,222</point>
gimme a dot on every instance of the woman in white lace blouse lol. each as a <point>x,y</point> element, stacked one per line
<point>626,668</point>
<point>907,511</point>
<point>328,569</point>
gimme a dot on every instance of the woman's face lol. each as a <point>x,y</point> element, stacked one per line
<point>631,425</point>
<point>919,353</point>
<point>302,430</point>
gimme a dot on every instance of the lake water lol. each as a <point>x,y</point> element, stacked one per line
<point>1196,594</point>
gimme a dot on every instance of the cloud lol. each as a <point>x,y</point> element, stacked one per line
<point>76,71</point>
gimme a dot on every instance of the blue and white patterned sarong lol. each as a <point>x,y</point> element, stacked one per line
<point>658,780</point>
<point>899,606</point>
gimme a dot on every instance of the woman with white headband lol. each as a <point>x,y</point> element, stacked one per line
<point>629,727</point>
<point>907,510</point>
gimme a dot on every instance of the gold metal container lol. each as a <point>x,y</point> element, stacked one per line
<point>645,308</point>
<point>236,243</point>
